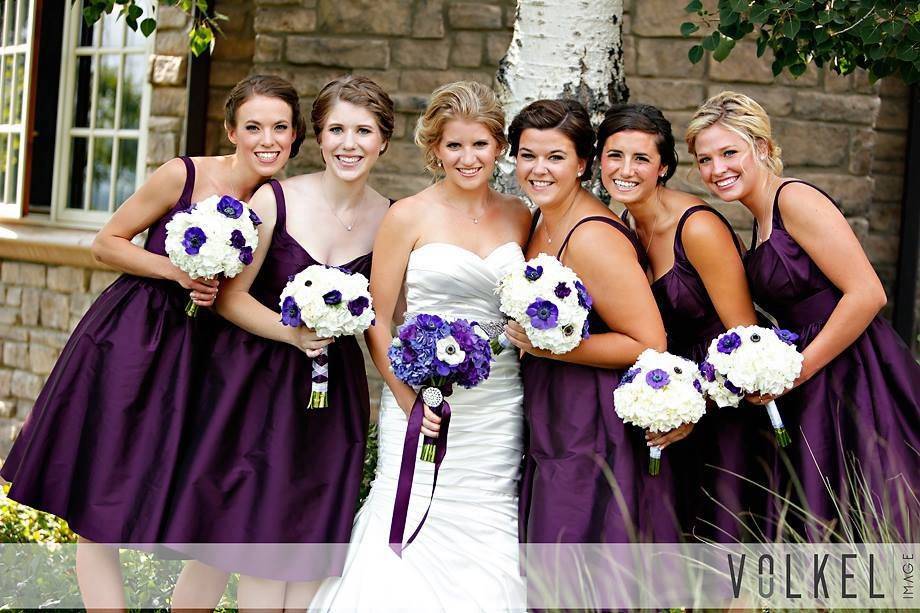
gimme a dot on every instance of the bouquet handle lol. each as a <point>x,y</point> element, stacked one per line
<point>782,437</point>
<point>319,391</point>
<point>654,460</point>
<point>500,343</point>
<point>407,470</point>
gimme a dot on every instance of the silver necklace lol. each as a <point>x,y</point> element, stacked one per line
<point>347,226</point>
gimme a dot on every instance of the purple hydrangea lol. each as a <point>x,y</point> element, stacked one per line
<point>729,342</point>
<point>657,378</point>
<point>231,207</point>
<point>562,290</point>
<point>254,218</point>
<point>586,330</point>
<point>543,314</point>
<point>533,273</point>
<point>193,239</point>
<point>332,297</point>
<point>697,385</point>
<point>787,336</point>
<point>246,255</point>
<point>290,312</point>
<point>413,357</point>
<point>584,298</point>
<point>358,305</point>
<point>708,371</point>
<point>237,239</point>
<point>629,376</point>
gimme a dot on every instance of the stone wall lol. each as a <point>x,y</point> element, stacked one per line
<point>39,306</point>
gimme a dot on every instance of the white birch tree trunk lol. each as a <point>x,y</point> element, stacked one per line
<point>562,48</point>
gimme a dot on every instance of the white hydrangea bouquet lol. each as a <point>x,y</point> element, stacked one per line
<point>549,301</point>
<point>213,237</point>
<point>333,302</point>
<point>659,392</point>
<point>754,360</point>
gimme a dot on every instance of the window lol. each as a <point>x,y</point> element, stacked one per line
<point>101,129</point>
<point>16,18</point>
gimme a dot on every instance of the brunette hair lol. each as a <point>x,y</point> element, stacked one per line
<point>742,115</point>
<point>642,118</point>
<point>359,91</point>
<point>566,115</point>
<point>466,100</point>
<point>270,86</point>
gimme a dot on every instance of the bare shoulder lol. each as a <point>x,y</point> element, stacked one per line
<point>407,211</point>
<point>681,199</point>
<point>264,203</point>
<point>595,237</point>
<point>170,176</point>
<point>704,225</point>
<point>796,196</point>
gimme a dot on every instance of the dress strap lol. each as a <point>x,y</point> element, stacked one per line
<point>640,254</point>
<point>777,216</point>
<point>533,225</point>
<point>280,209</point>
<point>678,235</point>
<point>189,186</point>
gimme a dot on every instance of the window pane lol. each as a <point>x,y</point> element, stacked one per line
<point>3,161</point>
<point>82,98</point>
<point>23,22</point>
<point>14,168</point>
<point>135,38</point>
<point>133,90</point>
<point>102,171</point>
<point>6,96</point>
<point>77,173</point>
<point>108,85</point>
<point>126,173</point>
<point>9,33</point>
<point>113,29</point>
<point>86,34</point>
<point>18,87</point>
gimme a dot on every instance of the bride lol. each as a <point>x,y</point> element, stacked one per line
<point>445,248</point>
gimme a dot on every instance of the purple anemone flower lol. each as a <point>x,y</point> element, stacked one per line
<point>629,376</point>
<point>429,322</point>
<point>562,290</point>
<point>332,297</point>
<point>734,389</point>
<point>246,255</point>
<point>237,239</point>
<point>193,239</point>
<point>532,273</point>
<point>787,336</point>
<point>290,312</point>
<point>357,306</point>
<point>584,298</point>
<point>254,218</point>
<point>657,378</point>
<point>729,342</point>
<point>586,330</point>
<point>231,207</point>
<point>543,314</point>
<point>697,385</point>
<point>708,371</point>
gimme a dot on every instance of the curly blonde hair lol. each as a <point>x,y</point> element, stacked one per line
<point>742,115</point>
<point>465,100</point>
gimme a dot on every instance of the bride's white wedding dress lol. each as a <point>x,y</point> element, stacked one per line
<point>466,556</point>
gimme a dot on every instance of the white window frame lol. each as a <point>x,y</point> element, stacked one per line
<point>60,211</point>
<point>14,208</point>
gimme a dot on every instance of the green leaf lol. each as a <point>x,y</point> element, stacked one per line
<point>739,6</point>
<point>687,28</point>
<point>694,6</point>
<point>727,17</point>
<point>725,47</point>
<point>803,6</point>
<point>892,28</point>
<point>759,14</point>
<point>134,11</point>
<point>791,27</point>
<point>762,42</point>
<point>777,67</point>
<point>695,54</point>
<point>712,41</point>
<point>148,26</point>
<point>798,69</point>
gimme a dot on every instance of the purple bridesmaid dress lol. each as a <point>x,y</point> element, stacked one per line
<point>567,493</point>
<point>262,468</point>
<point>863,408</point>
<point>103,441</point>
<point>713,504</point>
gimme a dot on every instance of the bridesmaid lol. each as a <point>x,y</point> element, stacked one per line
<point>568,399</point>
<point>265,469</point>
<point>102,444</point>
<point>858,397</point>
<point>701,290</point>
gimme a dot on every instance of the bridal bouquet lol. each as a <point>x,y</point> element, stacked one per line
<point>549,301</point>
<point>754,360</point>
<point>333,302</point>
<point>433,354</point>
<point>659,393</point>
<point>212,237</point>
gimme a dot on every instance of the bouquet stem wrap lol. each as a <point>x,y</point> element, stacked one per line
<point>782,437</point>
<point>191,309</point>
<point>407,466</point>
<point>319,394</point>
<point>654,460</point>
<point>499,344</point>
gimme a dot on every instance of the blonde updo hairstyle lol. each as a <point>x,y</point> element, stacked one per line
<point>463,100</point>
<point>742,115</point>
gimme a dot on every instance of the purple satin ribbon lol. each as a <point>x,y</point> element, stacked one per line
<point>407,469</point>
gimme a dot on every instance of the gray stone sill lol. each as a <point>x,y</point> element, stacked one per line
<point>47,244</point>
